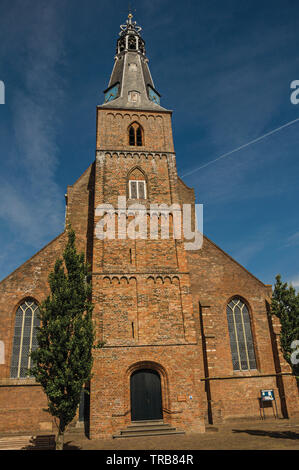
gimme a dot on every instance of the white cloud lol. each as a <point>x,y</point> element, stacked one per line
<point>293,240</point>
<point>244,254</point>
<point>295,282</point>
<point>31,203</point>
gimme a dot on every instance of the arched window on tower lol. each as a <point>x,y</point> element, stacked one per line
<point>136,136</point>
<point>26,323</point>
<point>137,185</point>
<point>240,334</point>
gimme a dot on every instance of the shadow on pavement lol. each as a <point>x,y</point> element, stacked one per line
<point>48,443</point>
<point>274,434</point>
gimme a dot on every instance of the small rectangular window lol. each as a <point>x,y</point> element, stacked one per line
<point>137,190</point>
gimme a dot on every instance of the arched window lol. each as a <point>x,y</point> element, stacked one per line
<point>137,185</point>
<point>24,340</point>
<point>136,135</point>
<point>240,334</point>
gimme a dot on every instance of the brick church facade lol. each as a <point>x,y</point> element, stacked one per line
<point>187,335</point>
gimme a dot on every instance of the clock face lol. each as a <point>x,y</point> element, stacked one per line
<point>153,96</point>
<point>112,93</point>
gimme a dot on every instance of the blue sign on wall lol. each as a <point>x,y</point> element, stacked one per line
<point>267,395</point>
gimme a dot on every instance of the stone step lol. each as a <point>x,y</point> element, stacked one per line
<point>147,433</point>
<point>148,426</point>
<point>147,422</point>
<point>153,429</point>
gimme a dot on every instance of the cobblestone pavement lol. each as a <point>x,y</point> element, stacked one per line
<point>269,434</point>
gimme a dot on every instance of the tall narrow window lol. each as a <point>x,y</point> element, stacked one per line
<point>136,135</point>
<point>133,189</point>
<point>141,189</point>
<point>132,136</point>
<point>139,136</point>
<point>240,334</point>
<point>24,340</point>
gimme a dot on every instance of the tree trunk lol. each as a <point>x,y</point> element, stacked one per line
<point>60,438</point>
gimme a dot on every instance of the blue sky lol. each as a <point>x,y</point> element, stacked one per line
<point>223,66</point>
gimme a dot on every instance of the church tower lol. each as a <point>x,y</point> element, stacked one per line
<point>149,367</point>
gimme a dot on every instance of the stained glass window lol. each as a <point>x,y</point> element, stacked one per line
<point>240,334</point>
<point>24,341</point>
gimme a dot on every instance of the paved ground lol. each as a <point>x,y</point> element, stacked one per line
<point>242,435</point>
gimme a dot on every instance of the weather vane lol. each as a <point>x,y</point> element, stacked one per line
<point>130,25</point>
<point>130,9</point>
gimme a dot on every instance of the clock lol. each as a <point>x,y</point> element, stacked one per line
<point>111,93</point>
<point>153,95</point>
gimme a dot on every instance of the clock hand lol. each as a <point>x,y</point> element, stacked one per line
<point>108,97</point>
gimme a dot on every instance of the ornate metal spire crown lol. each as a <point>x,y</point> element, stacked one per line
<point>130,27</point>
<point>130,39</point>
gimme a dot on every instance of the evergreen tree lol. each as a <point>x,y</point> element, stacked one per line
<point>285,305</point>
<point>63,359</point>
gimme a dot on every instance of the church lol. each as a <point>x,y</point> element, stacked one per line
<point>187,338</point>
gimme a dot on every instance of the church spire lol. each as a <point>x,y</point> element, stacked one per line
<point>131,85</point>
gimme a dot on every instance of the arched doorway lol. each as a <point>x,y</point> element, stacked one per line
<point>146,398</point>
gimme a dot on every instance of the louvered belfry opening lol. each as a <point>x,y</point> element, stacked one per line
<point>131,136</point>
<point>136,135</point>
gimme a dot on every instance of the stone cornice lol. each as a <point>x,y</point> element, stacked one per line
<point>129,153</point>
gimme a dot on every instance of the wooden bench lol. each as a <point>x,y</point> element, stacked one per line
<point>46,442</point>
